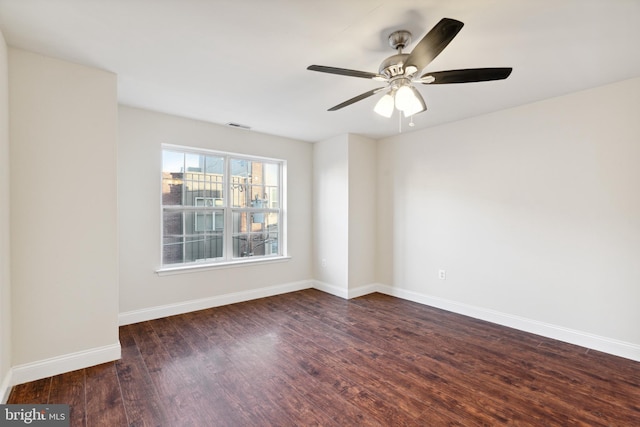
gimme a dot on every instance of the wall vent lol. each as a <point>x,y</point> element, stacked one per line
<point>238,125</point>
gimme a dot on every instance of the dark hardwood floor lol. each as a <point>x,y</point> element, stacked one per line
<point>309,358</point>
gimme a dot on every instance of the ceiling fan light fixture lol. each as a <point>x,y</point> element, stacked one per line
<point>416,105</point>
<point>403,97</point>
<point>385,105</point>
<point>409,101</point>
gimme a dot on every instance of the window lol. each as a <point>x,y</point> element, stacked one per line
<point>219,207</point>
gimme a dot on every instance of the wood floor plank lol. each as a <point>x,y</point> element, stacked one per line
<point>142,404</point>
<point>215,374</point>
<point>176,378</point>
<point>507,371</point>
<point>271,366</point>
<point>36,392</point>
<point>69,388</point>
<point>320,387</point>
<point>104,403</point>
<point>367,378</point>
<point>308,358</point>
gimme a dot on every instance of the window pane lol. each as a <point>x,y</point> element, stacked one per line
<point>255,233</point>
<point>273,197</point>
<point>172,250</point>
<point>172,238</point>
<point>203,246</point>
<point>204,180</point>
<point>251,181</point>
<point>172,223</point>
<point>239,182</point>
<point>172,161</point>
<point>254,244</point>
<point>259,198</point>
<point>206,221</point>
<point>214,165</point>
<point>192,236</point>
<point>194,162</point>
<point>264,197</point>
<point>246,245</point>
<point>172,177</point>
<point>240,167</point>
<point>271,173</point>
<point>255,222</point>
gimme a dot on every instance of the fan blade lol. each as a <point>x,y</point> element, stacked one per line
<point>467,75</point>
<point>356,99</point>
<point>345,72</point>
<point>433,43</point>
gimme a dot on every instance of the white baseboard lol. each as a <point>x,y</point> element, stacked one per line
<point>364,290</point>
<point>346,293</point>
<point>5,387</point>
<point>65,363</point>
<point>331,289</point>
<point>158,312</point>
<point>583,339</point>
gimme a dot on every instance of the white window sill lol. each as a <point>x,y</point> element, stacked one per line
<point>193,268</point>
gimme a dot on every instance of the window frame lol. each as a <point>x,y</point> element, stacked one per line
<point>228,211</point>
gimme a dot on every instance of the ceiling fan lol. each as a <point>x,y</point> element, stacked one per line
<point>401,71</point>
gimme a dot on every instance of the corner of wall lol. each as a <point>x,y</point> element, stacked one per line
<point>330,211</point>
<point>5,277</point>
<point>362,212</point>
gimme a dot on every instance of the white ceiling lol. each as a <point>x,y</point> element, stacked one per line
<point>245,61</point>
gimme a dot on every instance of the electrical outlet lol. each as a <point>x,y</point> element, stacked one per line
<point>442,274</point>
<point>323,263</point>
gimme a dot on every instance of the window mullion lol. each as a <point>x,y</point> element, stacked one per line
<point>282,243</point>
<point>228,216</point>
<point>182,202</point>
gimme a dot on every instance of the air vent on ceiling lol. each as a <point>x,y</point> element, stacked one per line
<point>238,125</point>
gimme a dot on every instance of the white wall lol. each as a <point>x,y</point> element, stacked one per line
<point>345,214</point>
<point>142,291</point>
<point>63,130</point>
<point>5,275</point>
<point>331,214</point>
<point>534,212</point>
<point>362,215</point>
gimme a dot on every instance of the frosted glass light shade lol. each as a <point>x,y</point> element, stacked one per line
<point>384,106</point>
<point>416,105</point>
<point>404,98</point>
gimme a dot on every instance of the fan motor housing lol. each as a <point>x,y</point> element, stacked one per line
<point>394,65</point>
